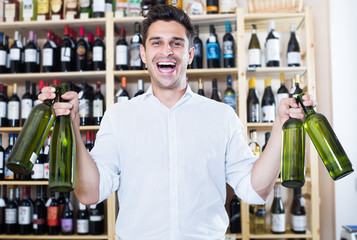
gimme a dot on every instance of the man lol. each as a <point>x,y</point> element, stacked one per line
<point>170,152</point>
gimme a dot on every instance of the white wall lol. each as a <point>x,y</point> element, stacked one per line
<point>343,37</point>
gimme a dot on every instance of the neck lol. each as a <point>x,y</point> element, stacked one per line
<point>169,97</point>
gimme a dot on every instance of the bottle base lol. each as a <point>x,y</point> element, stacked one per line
<point>17,168</point>
<point>292,183</point>
<point>60,188</point>
<point>343,175</point>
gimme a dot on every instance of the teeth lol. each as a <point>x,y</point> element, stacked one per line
<point>166,63</point>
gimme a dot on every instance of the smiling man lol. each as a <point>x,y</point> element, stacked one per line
<point>170,152</point>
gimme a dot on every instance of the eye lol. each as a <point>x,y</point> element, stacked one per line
<point>156,43</point>
<point>177,44</point>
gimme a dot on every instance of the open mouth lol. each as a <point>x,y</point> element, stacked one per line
<point>166,67</point>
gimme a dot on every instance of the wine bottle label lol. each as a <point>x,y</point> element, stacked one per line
<point>212,8</point>
<point>98,54</point>
<point>254,113</point>
<point>228,49</point>
<point>37,221</point>
<point>268,113</point>
<point>13,110</point>
<point>121,55</point>
<point>46,170</point>
<point>8,60</point>
<point>24,215</point>
<point>135,59</point>
<point>10,215</point>
<point>56,6</point>
<point>272,50</point>
<point>82,226</point>
<point>3,56</point>
<point>196,8</point>
<point>84,3</point>
<point>298,223</point>
<point>2,202</point>
<point>1,163</point>
<point>47,57</point>
<point>15,54</point>
<point>98,108</point>
<point>67,225</point>
<point>83,108</point>
<point>81,52</point>
<point>293,58</point>
<point>3,109</point>
<point>230,100</point>
<point>95,218</point>
<point>134,7</point>
<point>27,10</point>
<point>278,222</point>
<point>43,7</point>
<point>37,171</point>
<point>83,15</point>
<point>108,7</point>
<point>254,57</point>
<point>10,12</point>
<point>198,49</point>
<point>212,50</point>
<point>65,54</point>
<point>122,99</point>
<point>26,107</point>
<point>227,6</point>
<point>281,96</point>
<point>98,6</point>
<point>52,216</point>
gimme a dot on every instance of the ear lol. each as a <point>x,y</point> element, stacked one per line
<point>143,53</point>
<point>191,54</point>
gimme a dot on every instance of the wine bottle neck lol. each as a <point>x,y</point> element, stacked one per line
<point>308,110</point>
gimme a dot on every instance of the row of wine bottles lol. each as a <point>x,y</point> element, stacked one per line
<point>265,111</point>
<point>52,216</point>
<point>40,170</point>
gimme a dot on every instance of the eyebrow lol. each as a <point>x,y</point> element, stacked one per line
<point>174,38</point>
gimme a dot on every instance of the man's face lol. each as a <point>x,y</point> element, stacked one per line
<point>167,54</point>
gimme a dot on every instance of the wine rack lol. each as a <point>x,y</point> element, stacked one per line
<point>240,75</point>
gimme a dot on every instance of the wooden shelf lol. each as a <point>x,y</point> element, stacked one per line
<point>67,237</point>
<point>274,72</point>
<point>260,126</point>
<point>23,183</point>
<point>288,234</point>
<point>18,129</point>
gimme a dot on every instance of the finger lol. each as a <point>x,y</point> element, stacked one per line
<point>296,113</point>
<point>62,105</point>
<point>70,95</point>
<point>309,100</point>
<point>62,112</point>
<point>48,89</point>
<point>289,102</point>
<point>46,95</point>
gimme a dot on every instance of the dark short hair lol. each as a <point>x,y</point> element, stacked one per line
<point>168,13</point>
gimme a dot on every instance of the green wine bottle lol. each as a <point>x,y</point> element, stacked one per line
<point>326,142</point>
<point>62,152</point>
<point>32,137</point>
<point>293,154</point>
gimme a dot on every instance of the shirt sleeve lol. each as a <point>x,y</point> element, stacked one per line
<point>239,163</point>
<point>106,156</point>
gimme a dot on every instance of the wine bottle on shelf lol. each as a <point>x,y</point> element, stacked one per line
<point>43,10</point>
<point>283,92</point>
<point>3,106</point>
<point>13,108</point>
<point>228,47</point>
<point>253,106</point>
<point>26,104</point>
<point>17,195</point>
<point>135,42</point>
<point>176,3</point>
<point>134,7</point>
<point>122,52</point>
<point>38,101</point>
<point>259,219</point>
<point>268,103</point>
<point>82,219</point>
<point>3,54</point>
<point>272,47</point>
<point>253,144</point>
<point>89,144</point>
<point>8,174</point>
<point>46,159</point>
<point>98,8</point>
<point>293,153</point>
<point>23,43</point>
<point>227,6</point>
<point>90,41</point>
<point>122,95</point>
<point>57,9</point>
<point>25,212</point>
<point>39,214</point>
<point>2,159</point>
<point>212,6</point>
<point>298,213</point>
<point>195,7</point>
<point>213,49</point>
<point>326,142</point>
<point>32,137</point>
<point>121,8</point>
<point>38,167</point>
<point>267,136</point>
<point>38,54</point>
<point>84,106</point>
<point>11,215</point>
<point>98,106</point>
<point>8,54</point>
<point>85,9</point>
<point>2,212</point>
<point>235,215</point>
<point>11,11</point>
<point>44,195</point>
<point>66,52</point>
<point>81,51</point>
<point>67,217</point>
<point>201,90</point>
<point>277,213</point>
<point>254,52</point>
<point>96,219</point>
<point>98,52</point>
<point>15,54</point>
<point>230,97</point>
<point>52,215</point>
<point>49,54</point>
<point>62,152</point>
<point>140,88</point>
<point>293,56</point>
<point>71,9</point>
<point>146,5</point>
<point>215,94</point>
<point>197,62</point>
<point>29,10</point>
<point>296,89</point>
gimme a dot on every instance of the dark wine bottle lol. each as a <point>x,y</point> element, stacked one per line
<point>30,55</point>
<point>67,227</point>
<point>197,61</point>
<point>215,93</point>
<point>135,42</point>
<point>326,142</point>
<point>122,52</point>
<point>49,54</point>
<point>283,92</point>
<point>11,215</point>
<point>267,136</point>
<point>253,144</point>
<point>296,89</point>
<point>66,52</point>
<point>253,106</point>
<point>268,103</point>
<point>277,213</point>
<point>3,54</point>
<point>44,195</point>
<point>81,51</point>
<point>84,106</point>
<point>52,215</point>
<point>201,90</point>
<point>98,106</point>
<point>26,104</point>
<point>90,41</point>
<point>272,47</point>
<point>228,47</point>
<point>15,54</point>
<point>82,219</point>
<point>235,215</point>
<point>25,212</point>
<point>2,211</point>
<point>8,65</point>
<point>38,167</point>
<point>38,54</point>
<point>293,56</point>
<point>62,152</point>
<point>140,88</point>
<point>298,213</point>
<point>96,219</point>
<point>122,94</point>
<point>2,159</point>
<point>89,144</point>
<point>8,174</point>
<point>39,214</point>
<point>98,52</point>
<point>212,6</point>
<point>46,159</point>
<point>32,137</point>
<point>3,106</point>
<point>230,96</point>
<point>254,52</point>
<point>61,202</point>
<point>13,108</point>
<point>213,49</point>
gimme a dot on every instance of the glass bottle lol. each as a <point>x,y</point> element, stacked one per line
<point>2,159</point>
<point>228,47</point>
<point>85,9</point>
<point>277,213</point>
<point>98,8</point>
<point>67,226</point>
<point>201,90</point>
<point>212,6</point>
<point>98,52</point>
<point>215,94</point>
<point>227,6</point>
<point>195,7</point>
<point>121,8</point>
<point>3,54</point>
<point>259,219</point>
<point>29,10</point>
<point>71,9</point>
<point>293,56</point>
<point>3,106</point>
<point>122,95</point>
<point>272,47</point>
<point>140,88</point>
<point>254,52</point>
<point>39,214</point>
<point>135,42</point>
<point>11,214</point>
<point>253,105</point>
<point>26,104</point>
<point>253,144</point>
<point>235,215</point>
<point>213,49</point>
<point>11,11</point>
<point>98,106</point>
<point>298,213</point>
<point>268,103</point>
<point>82,219</point>
<point>230,96</point>
<point>52,215</point>
<point>81,56</point>
<point>57,11</point>
<point>122,52</point>
<point>134,8</point>
<point>282,92</point>
<point>43,10</point>
<point>197,61</point>
<point>13,108</point>
<point>25,211</point>
<point>15,54</point>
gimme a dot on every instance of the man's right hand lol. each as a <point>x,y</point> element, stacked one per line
<point>63,108</point>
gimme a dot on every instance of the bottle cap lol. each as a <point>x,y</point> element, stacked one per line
<point>123,82</point>
<point>282,78</point>
<point>252,83</point>
<point>267,81</point>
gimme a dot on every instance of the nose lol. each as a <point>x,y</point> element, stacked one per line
<point>166,50</point>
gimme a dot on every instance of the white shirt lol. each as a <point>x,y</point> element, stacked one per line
<point>170,166</point>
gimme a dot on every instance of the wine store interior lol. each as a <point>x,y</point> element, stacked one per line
<point>248,54</point>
